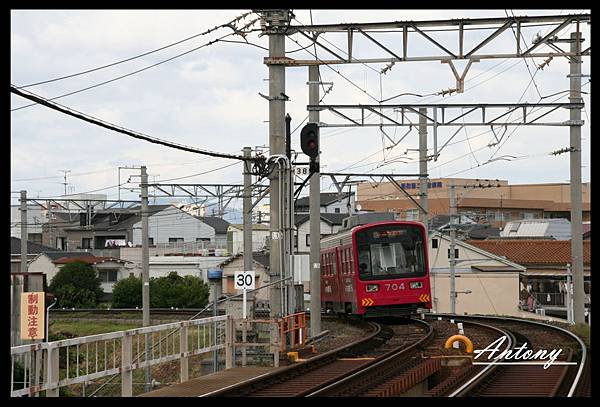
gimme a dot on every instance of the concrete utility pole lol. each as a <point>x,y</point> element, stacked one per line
<point>247,211</point>
<point>23,231</point>
<point>247,219</point>
<point>315,213</point>
<point>452,246</point>
<point>569,286</point>
<point>576,204</point>
<point>145,271</point>
<point>423,166</point>
<point>278,21</point>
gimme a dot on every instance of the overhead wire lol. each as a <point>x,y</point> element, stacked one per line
<point>243,16</point>
<point>110,126</point>
<point>130,73</point>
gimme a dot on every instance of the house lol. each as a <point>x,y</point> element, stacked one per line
<point>260,261</point>
<point>235,238</point>
<point>492,281</point>
<point>109,269</point>
<point>330,223</point>
<point>465,227</point>
<point>36,218</point>
<point>172,225</point>
<point>331,202</point>
<point>546,262</point>
<point>191,264</point>
<point>220,226</point>
<point>559,229</point>
<point>33,249</point>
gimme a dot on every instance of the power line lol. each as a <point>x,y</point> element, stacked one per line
<point>134,72</point>
<point>110,126</point>
<point>138,56</point>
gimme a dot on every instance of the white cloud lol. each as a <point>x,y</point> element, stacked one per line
<point>209,98</point>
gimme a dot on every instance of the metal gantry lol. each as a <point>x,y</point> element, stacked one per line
<point>413,30</point>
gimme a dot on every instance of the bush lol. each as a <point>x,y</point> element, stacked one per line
<point>127,293</point>
<point>165,292</point>
<point>76,285</point>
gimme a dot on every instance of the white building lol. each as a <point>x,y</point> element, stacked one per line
<point>330,224</point>
<point>559,229</point>
<point>235,238</point>
<point>331,202</point>
<point>493,282</point>
<point>172,225</point>
<point>197,266</point>
<point>110,270</point>
<point>36,218</point>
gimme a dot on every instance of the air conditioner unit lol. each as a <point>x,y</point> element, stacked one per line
<point>541,312</point>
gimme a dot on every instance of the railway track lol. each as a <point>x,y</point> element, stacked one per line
<point>306,377</point>
<point>517,379</point>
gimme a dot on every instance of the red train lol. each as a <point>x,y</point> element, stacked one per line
<point>376,269</point>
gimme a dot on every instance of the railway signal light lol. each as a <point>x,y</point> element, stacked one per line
<point>309,140</point>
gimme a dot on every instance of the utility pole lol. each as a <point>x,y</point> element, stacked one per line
<point>247,219</point>
<point>278,21</point>
<point>145,271</point>
<point>423,165</point>
<point>315,212</point>
<point>452,246</point>
<point>23,232</point>
<point>65,183</point>
<point>576,204</point>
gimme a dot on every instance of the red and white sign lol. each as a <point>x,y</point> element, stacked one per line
<point>32,315</point>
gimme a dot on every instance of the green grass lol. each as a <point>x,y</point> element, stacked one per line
<point>68,329</point>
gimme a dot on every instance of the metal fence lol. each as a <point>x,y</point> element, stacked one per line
<point>553,299</point>
<point>48,366</point>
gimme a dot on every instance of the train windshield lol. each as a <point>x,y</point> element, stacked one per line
<point>390,251</point>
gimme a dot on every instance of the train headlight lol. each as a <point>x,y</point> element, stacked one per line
<point>416,284</point>
<point>371,288</point>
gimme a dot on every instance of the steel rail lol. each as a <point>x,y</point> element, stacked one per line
<point>564,331</point>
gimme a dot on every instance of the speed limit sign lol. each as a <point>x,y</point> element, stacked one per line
<point>244,280</point>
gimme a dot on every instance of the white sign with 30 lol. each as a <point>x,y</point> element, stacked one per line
<point>244,280</point>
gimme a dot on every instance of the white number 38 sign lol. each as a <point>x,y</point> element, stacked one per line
<point>244,280</point>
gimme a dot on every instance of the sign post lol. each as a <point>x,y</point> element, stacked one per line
<point>244,280</point>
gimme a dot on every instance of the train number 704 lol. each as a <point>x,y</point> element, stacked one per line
<point>394,286</point>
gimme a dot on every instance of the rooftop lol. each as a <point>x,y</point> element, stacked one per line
<point>533,251</point>
<point>326,198</point>
<point>32,248</point>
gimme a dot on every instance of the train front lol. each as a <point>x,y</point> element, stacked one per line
<point>393,269</point>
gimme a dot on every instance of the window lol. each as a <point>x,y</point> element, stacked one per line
<point>176,240</point>
<point>202,239</point>
<point>108,276</point>
<point>390,252</point>
<point>86,243</point>
<point>35,237</point>
<point>336,210</point>
<point>515,227</point>
<point>150,241</point>
<point>296,241</point>
<point>412,214</point>
<point>434,243</point>
<point>308,239</point>
<point>528,215</point>
<point>455,253</point>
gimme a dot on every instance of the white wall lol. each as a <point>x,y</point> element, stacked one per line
<point>173,222</point>
<point>258,240</point>
<point>35,218</point>
<point>342,206</point>
<point>304,229</point>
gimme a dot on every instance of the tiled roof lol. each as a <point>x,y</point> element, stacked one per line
<point>219,225</point>
<point>32,248</point>
<point>86,259</point>
<point>326,198</point>
<point>533,252</point>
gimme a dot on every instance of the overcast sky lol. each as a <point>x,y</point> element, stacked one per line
<point>210,99</point>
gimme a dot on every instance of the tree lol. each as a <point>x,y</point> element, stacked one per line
<point>76,285</point>
<point>127,293</point>
<point>176,291</point>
